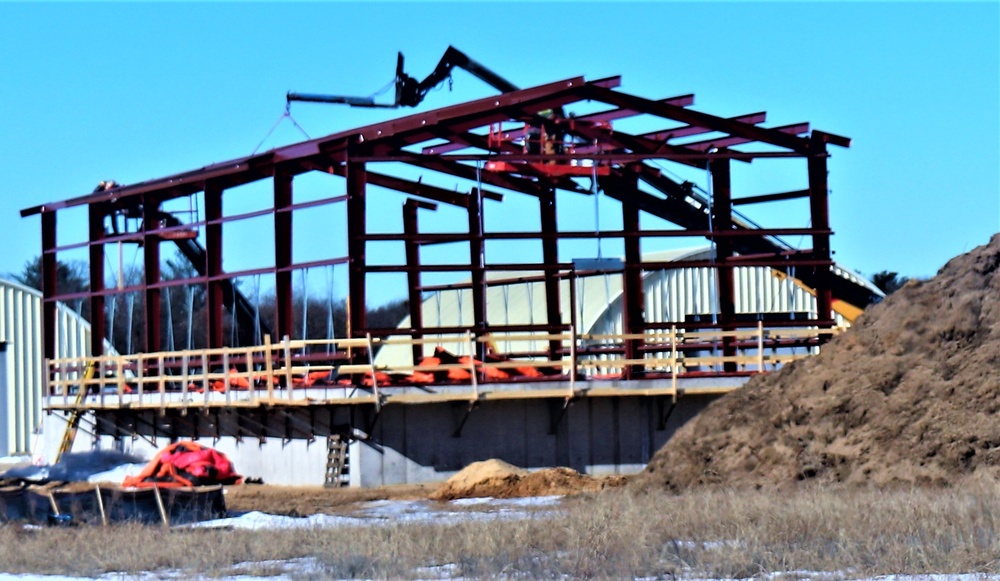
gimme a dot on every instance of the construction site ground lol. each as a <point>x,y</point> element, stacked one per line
<point>491,478</point>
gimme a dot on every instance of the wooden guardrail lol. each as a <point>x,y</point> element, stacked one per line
<point>273,373</point>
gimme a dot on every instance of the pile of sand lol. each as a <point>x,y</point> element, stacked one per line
<point>499,479</point>
<point>910,394</point>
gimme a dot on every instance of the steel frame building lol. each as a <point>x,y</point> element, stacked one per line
<point>486,143</point>
<point>466,129</point>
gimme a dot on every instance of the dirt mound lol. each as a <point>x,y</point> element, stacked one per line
<point>498,479</point>
<point>909,395</point>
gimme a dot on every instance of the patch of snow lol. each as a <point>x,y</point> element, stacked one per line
<point>257,520</point>
<point>117,474</point>
<point>526,501</point>
<point>472,501</point>
<point>446,571</point>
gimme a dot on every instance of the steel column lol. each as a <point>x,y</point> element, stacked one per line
<point>633,308</point>
<point>213,266</point>
<point>283,313</point>
<point>722,221</point>
<point>356,230</point>
<point>550,255</point>
<point>477,263</point>
<point>49,280</point>
<point>151,271</point>
<point>819,212</point>
<point>411,229</point>
<point>98,316</point>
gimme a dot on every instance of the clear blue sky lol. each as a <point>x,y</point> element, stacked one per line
<point>138,91</point>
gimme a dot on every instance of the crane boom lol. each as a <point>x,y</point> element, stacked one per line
<point>409,91</point>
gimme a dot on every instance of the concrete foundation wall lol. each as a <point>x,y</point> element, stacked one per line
<point>597,436</point>
<point>418,443</point>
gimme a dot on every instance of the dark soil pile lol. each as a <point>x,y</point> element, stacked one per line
<point>910,394</point>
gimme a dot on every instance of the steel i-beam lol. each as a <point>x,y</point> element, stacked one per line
<point>213,263</point>
<point>722,221</point>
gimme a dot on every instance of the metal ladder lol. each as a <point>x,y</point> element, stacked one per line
<point>338,471</point>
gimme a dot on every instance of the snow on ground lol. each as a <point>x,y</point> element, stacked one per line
<point>303,568</point>
<point>407,511</point>
<point>117,474</point>
<point>395,512</point>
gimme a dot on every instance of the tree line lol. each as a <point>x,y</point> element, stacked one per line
<point>184,308</point>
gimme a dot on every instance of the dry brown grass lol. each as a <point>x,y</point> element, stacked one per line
<point>615,534</point>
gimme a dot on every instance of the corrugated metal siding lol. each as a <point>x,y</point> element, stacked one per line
<point>21,330</point>
<point>671,296</point>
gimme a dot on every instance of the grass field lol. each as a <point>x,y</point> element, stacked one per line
<point>611,535</point>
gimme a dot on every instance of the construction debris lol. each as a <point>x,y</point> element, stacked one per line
<point>498,479</point>
<point>182,484</point>
<point>185,464</point>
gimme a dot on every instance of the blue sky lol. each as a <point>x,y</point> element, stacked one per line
<point>138,91</point>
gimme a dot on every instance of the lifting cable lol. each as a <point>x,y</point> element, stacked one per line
<point>170,323</point>
<point>506,310</point>
<point>286,115</point>
<point>111,323</point>
<point>190,313</point>
<point>234,327</point>
<point>481,259</point>
<point>714,275</point>
<point>305,308</point>
<point>130,302</point>
<point>330,330</point>
<point>596,192</point>
<point>257,338</point>
<point>437,301</point>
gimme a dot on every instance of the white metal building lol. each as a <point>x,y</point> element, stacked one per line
<point>672,296</point>
<point>22,361</point>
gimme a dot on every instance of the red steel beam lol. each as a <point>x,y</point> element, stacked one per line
<point>550,255</point>
<point>49,284</point>
<point>411,228</point>
<point>477,263</point>
<point>621,113</point>
<point>722,221</point>
<point>98,316</point>
<point>773,198</point>
<point>820,216</point>
<point>600,117</point>
<point>721,124</point>
<point>796,129</point>
<point>151,274</point>
<point>412,188</point>
<point>689,130</point>
<point>633,311</point>
<point>213,264</point>
<point>284,313</point>
<point>356,212</point>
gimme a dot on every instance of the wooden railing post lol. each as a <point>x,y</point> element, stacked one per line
<point>572,360</point>
<point>269,368</point>
<point>371,365</point>
<point>472,365</point>
<point>760,346</point>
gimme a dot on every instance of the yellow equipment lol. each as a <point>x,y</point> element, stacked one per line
<point>73,423</point>
<point>842,308</point>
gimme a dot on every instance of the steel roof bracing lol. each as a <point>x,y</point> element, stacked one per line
<point>452,141</point>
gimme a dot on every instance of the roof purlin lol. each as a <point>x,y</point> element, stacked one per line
<point>475,112</point>
<point>721,124</point>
